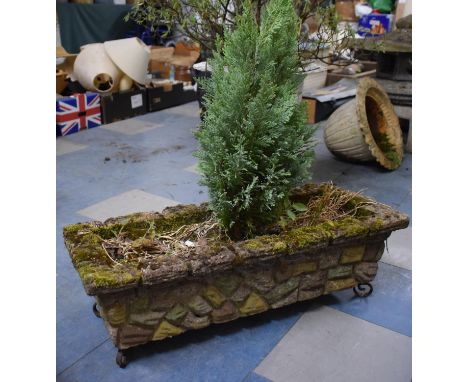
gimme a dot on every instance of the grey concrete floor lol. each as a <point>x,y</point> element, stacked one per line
<point>146,163</point>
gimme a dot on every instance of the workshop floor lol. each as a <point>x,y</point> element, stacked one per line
<point>146,163</point>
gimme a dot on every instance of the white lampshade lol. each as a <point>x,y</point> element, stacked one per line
<point>95,71</point>
<point>131,55</point>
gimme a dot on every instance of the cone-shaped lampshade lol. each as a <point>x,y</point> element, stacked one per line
<point>131,55</point>
<point>95,71</point>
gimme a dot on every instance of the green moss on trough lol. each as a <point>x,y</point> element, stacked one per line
<point>266,243</point>
<point>376,225</point>
<point>95,275</point>
<point>89,249</point>
<point>189,214</point>
<point>96,269</point>
<point>100,273</point>
<point>309,235</point>
<point>108,232</point>
<point>139,224</point>
<point>305,236</point>
<point>351,226</point>
<point>74,232</point>
<point>104,277</point>
<point>94,266</point>
<point>72,229</point>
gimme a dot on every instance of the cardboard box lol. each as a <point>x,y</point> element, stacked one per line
<point>183,55</point>
<point>320,111</point>
<point>315,77</point>
<point>163,69</point>
<point>345,10</point>
<point>168,95</point>
<point>311,105</point>
<point>77,112</point>
<point>64,68</point>
<point>161,53</point>
<point>323,102</point>
<point>369,70</point>
<point>375,24</point>
<point>60,81</point>
<point>123,105</point>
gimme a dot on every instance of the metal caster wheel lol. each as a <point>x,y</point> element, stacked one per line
<point>96,311</point>
<point>363,289</point>
<point>121,359</point>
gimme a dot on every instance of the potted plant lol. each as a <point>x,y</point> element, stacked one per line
<point>261,243</point>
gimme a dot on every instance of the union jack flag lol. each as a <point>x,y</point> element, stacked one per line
<point>78,112</point>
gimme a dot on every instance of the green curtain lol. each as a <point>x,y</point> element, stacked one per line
<point>82,24</point>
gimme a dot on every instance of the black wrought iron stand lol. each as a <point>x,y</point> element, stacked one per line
<point>363,289</point>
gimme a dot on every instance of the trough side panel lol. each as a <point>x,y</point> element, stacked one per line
<point>160,311</point>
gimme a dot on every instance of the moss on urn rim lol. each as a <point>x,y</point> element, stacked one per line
<point>100,273</point>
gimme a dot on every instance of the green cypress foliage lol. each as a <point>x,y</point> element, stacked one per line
<point>254,140</point>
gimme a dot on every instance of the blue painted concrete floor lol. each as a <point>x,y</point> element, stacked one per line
<point>146,163</point>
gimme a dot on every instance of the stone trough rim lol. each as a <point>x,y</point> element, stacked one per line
<point>229,257</point>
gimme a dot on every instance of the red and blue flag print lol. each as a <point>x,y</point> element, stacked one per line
<point>78,112</point>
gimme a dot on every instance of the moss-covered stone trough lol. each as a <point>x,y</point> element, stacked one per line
<point>146,297</point>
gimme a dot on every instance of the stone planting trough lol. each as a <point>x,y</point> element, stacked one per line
<point>144,300</point>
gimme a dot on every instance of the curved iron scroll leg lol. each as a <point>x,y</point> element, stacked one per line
<point>363,289</point>
<point>121,358</point>
<point>96,311</point>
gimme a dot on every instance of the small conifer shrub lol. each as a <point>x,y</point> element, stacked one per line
<point>254,140</point>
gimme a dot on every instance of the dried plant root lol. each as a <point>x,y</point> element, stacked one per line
<point>181,241</point>
<point>332,204</point>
